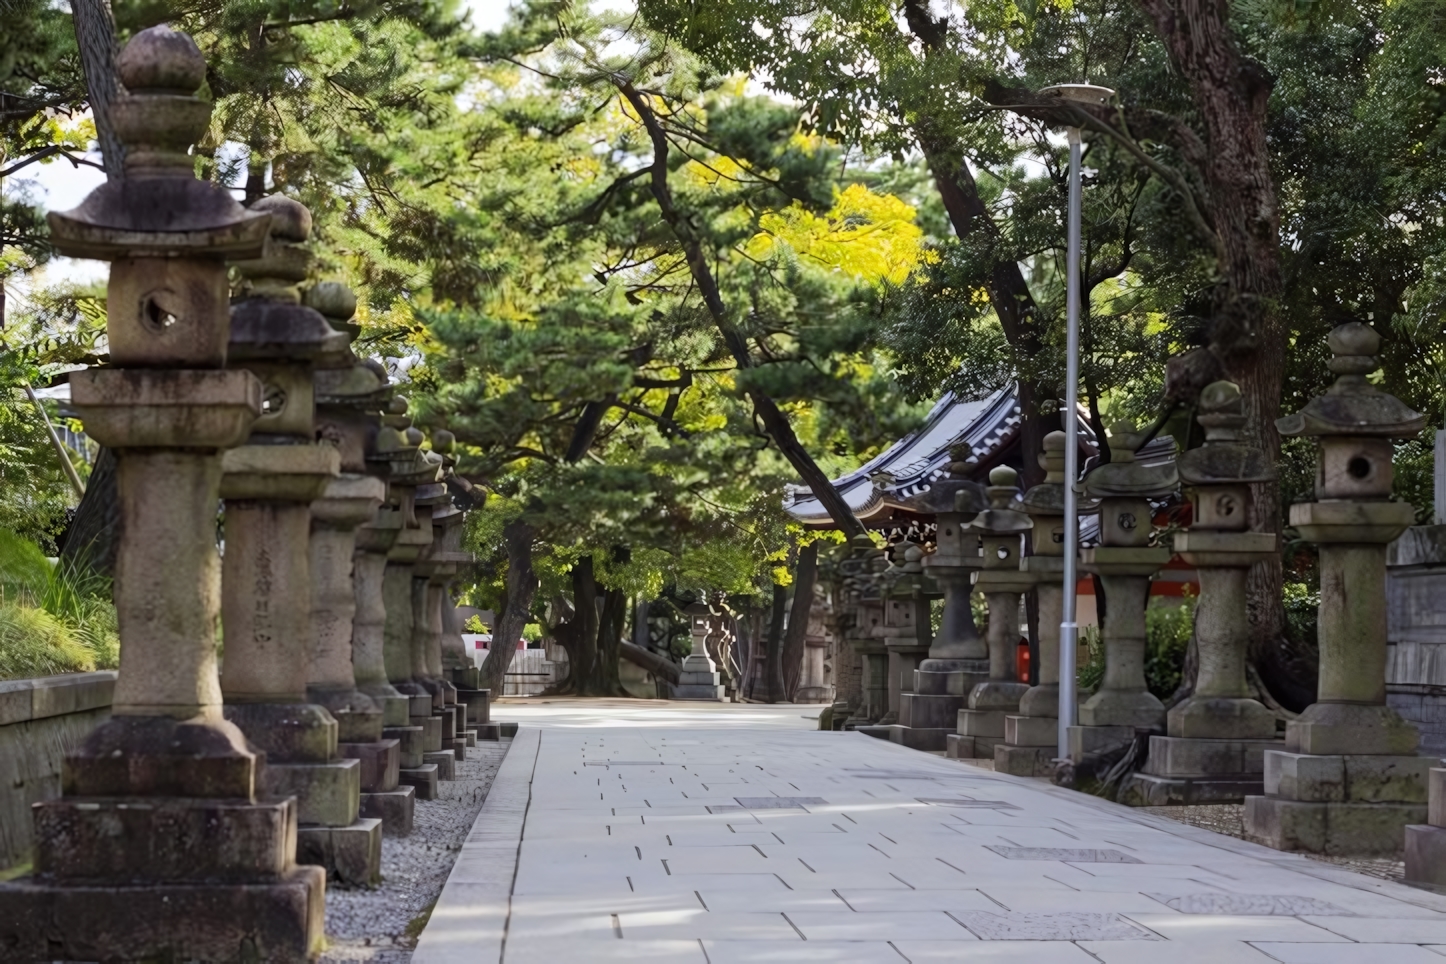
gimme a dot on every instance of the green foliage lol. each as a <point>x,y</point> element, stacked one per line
<point>1302,608</point>
<point>1167,640</point>
<point>35,643</point>
<point>53,619</point>
<point>1092,671</point>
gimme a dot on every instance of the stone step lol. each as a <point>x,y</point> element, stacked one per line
<point>351,855</point>
<point>394,808</point>
<point>981,723</point>
<point>1150,790</point>
<point>1343,829</point>
<point>445,761</point>
<point>327,794</point>
<point>1031,731</point>
<point>379,763</point>
<point>918,737</point>
<point>422,778</point>
<point>1024,761</point>
<point>411,743</point>
<point>929,710</point>
<point>175,839</point>
<point>1348,778</point>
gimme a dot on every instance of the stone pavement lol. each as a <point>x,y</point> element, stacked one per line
<point>626,830</point>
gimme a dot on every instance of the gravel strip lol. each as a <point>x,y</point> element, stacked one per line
<point>1229,819</point>
<point>381,925</point>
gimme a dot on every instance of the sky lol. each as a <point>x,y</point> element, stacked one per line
<point>60,186</point>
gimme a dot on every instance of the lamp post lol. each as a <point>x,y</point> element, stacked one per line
<point>1068,628</point>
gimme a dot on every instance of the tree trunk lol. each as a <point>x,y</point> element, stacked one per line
<point>661,667</point>
<point>516,605</point>
<point>775,422</point>
<point>90,536</point>
<point>796,636</point>
<point>1231,91</point>
<point>609,640</point>
<point>773,689</point>
<point>95,38</point>
<point>584,626</point>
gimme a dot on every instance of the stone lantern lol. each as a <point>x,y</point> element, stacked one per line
<point>866,638</point>
<point>1001,528</point>
<point>958,657</point>
<point>159,846</point>
<point>434,570</point>
<point>1031,738</point>
<point>269,486</point>
<point>374,541</point>
<point>904,630</point>
<point>1348,781</point>
<point>1125,561</point>
<point>698,679</point>
<point>853,622</point>
<point>1216,738</point>
<point>346,659</point>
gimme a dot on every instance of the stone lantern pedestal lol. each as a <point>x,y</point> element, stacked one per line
<point>698,679</point>
<point>1001,528</point>
<point>1348,781</point>
<point>862,614</point>
<point>1125,562</point>
<point>266,595</point>
<point>160,847</point>
<point>1031,737</point>
<point>1214,749</point>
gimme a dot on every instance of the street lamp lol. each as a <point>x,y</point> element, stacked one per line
<point>1068,628</point>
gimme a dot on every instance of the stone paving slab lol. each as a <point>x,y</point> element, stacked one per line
<point>649,831</point>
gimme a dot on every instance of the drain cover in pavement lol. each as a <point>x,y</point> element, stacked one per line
<point>770,803</point>
<point>981,804</point>
<point>989,926</point>
<point>1063,853</point>
<point>1251,905</point>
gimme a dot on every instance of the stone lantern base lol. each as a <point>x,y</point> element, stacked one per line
<point>1426,843</point>
<point>164,878</point>
<point>1184,771</point>
<point>941,687</point>
<point>698,680</point>
<point>1344,804</point>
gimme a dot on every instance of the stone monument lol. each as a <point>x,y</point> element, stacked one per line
<point>160,847</point>
<point>1214,750</point>
<point>698,679</point>
<point>1001,528</point>
<point>1124,560</point>
<point>269,485</point>
<point>1348,781</point>
<point>958,657</point>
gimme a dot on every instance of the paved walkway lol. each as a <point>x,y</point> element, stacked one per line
<point>629,831</point>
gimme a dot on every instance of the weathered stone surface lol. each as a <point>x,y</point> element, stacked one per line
<point>394,808</point>
<point>990,926</point>
<point>1097,739</point>
<point>1179,757</point>
<point>1031,731</point>
<point>1426,856</point>
<point>1149,790</point>
<point>1355,778</point>
<point>278,922</point>
<point>291,732</point>
<point>445,761</point>
<point>918,737</point>
<point>171,840</point>
<point>328,794</point>
<point>1064,854</point>
<point>981,723</point>
<point>929,711</point>
<point>1334,728</point>
<point>352,855</point>
<point>1251,905</point>
<point>149,756</point>
<point>379,763</point>
<point>423,778</point>
<point>411,744</point>
<point>1024,761</point>
<point>1330,828</point>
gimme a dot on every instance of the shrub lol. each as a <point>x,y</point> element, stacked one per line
<point>42,598</point>
<point>1167,640</point>
<point>1302,606</point>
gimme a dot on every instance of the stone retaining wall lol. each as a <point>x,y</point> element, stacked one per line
<point>40,720</point>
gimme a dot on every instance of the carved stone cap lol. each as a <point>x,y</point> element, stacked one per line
<point>1126,478</point>
<point>1353,406</point>
<point>1223,459</point>
<point>950,494</point>
<point>1047,498</point>
<point>159,209</point>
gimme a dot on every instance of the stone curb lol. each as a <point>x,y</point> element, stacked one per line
<point>22,700</point>
<point>469,921</point>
